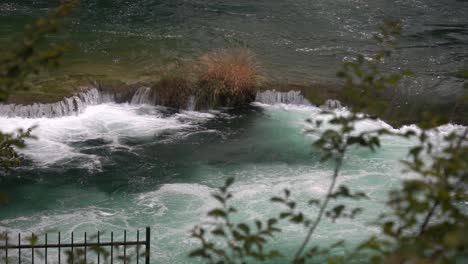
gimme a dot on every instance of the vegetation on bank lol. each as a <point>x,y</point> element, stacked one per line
<point>227,78</point>
<point>230,78</point>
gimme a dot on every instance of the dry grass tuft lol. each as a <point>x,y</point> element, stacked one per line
<point>227,78</point>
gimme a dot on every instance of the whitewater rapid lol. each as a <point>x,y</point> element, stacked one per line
<point>107,122</point>
<point>124,166</point>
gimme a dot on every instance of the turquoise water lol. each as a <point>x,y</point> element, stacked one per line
<point>118,167</point>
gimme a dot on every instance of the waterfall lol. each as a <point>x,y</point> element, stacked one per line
<point>331,104</point>
<point>191,103</point>
<point>67,106</point>
<point>274,97</point>
<point>143,96</point>
<point>77,103</point>
<point>293,98</point>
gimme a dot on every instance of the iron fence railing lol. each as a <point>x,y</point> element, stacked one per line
<point>87,250</point>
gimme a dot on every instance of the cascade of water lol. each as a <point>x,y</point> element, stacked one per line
<point>143,96</point>
<point>331,104</point>
<point>274,97</point>
<point>67,106</point>
<point>191,103</point>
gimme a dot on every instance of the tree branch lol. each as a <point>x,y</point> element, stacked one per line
<point>339,162</point>
<point>437,202</point>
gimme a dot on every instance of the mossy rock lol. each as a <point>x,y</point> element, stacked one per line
<point>50,90</point>
<point>54,89</point>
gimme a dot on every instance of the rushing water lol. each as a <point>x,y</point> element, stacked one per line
<point>122,166</point>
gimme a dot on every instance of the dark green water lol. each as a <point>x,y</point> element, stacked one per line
<point>296,40</point>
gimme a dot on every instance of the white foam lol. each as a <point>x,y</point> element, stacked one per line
<point>313,112</point>
<point>155,199</point>
<point>108,122</point>
<point>172,209</point>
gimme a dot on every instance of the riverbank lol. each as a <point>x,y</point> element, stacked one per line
<point>222,78</point>
<point>54,90</point>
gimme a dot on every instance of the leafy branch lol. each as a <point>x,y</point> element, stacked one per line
<point>237,242</point>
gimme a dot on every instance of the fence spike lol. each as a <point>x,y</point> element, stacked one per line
<point>125,247</point>
<point>59,253</point>
<point>112,248</point>
<point>19,248</point>
<point>98,248</point>
<point>138,247</point>
<point>72,249</point>
<point>45,249</point>
<point>6,247</point>
<point>148,245</point>
<point>85,247</point>
<point>32,248</point>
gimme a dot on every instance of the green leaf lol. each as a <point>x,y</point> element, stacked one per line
<point>272,221</point>
<point>229,182</point>
<point>314,202</point>
<point>244,228</point>
<point>298,218</point>
<point>217,213</point>
<point>277,200</point>
<point>284,215</point>
<point>219,198</point>
<point>218,232</point>
<point>199,253</point>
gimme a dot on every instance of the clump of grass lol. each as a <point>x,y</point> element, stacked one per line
<point>173,91</point>
<point>227,78</point>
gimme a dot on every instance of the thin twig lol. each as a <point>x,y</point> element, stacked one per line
<point>437,202</point>
<point>428,217</point>
<point>339,162</point>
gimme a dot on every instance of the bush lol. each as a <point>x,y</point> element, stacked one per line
<point>227,78</point>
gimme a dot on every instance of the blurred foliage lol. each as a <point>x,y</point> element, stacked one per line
<point>8,142</point>
<point>238,243</point>
<point>19,64</point>
<point>32,52</point>
<point>426,222</point>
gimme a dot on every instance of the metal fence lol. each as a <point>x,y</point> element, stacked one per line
<point>84,250</point>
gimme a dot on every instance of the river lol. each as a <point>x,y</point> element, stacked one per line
<point>127,166</point>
